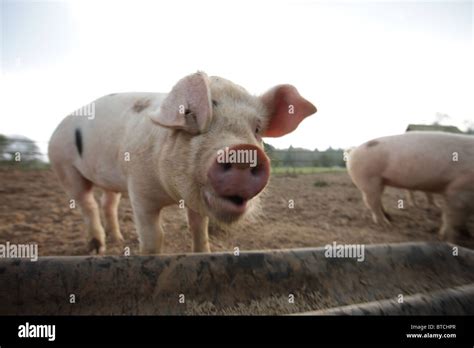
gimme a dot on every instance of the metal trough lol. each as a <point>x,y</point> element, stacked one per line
<point>427,276</point>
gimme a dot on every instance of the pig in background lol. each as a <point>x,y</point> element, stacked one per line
<point>162,149</point>
<point>432,162</point>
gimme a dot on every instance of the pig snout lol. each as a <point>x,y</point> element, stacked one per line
<point>238,174</point>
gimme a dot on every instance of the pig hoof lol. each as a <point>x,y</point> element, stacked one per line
<point>387,218</point>
<point>383,223</point>
<point>96,247</point>
<point>446,235</point>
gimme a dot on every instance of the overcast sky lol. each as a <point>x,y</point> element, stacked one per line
<point>370,67</point>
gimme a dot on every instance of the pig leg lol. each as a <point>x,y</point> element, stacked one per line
<point>149,230</point>
<point>431,200</point>
<point>459,198</point>
<point>146,214</point>
<point>372,194</point>
<point>80,189</point>
<point>110,201</point>
<point>198,225</point>
<point>454,221</point>
<point>411,198</point>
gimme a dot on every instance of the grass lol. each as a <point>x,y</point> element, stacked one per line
<point>26,165</point>
<point>306,170</point>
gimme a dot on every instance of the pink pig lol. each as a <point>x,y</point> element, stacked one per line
<point>200,145</point>
<point>433,162</point>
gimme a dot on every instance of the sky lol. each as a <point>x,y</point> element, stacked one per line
<point>370,67</point>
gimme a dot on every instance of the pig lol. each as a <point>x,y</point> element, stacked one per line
<point>433,162</point>
<point>162,149</point>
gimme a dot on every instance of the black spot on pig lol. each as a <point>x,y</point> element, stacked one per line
<point>372,143</point>
<point>141,105</point>
<point>214,103</point>
<point>79,141</point>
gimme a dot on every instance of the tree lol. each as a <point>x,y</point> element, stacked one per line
<point>325,160</point>
<point>440,117</point>
<point>272,154</point>
<point>469,127</point>
<point>11,146</point>
<point>289,159</point>
<point>4,141</point>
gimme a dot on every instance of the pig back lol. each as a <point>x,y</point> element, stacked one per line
<point>113,137</point>
<point>426,160</point>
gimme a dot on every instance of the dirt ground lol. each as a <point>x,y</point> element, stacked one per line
<point>327,208</point>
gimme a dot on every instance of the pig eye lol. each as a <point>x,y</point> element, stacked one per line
<point>257,130</point>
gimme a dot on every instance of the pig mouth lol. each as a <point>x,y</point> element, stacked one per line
<point>226,208</point>
<point>236,200</point>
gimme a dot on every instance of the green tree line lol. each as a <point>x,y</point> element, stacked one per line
<point>299,157</point>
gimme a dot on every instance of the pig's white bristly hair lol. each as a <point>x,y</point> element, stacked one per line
<point>252,217</point>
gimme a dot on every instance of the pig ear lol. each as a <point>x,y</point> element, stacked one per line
<point>287,109</point>
<point>188,105</point>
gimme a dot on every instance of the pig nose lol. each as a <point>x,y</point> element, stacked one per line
<point>239,172</point>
